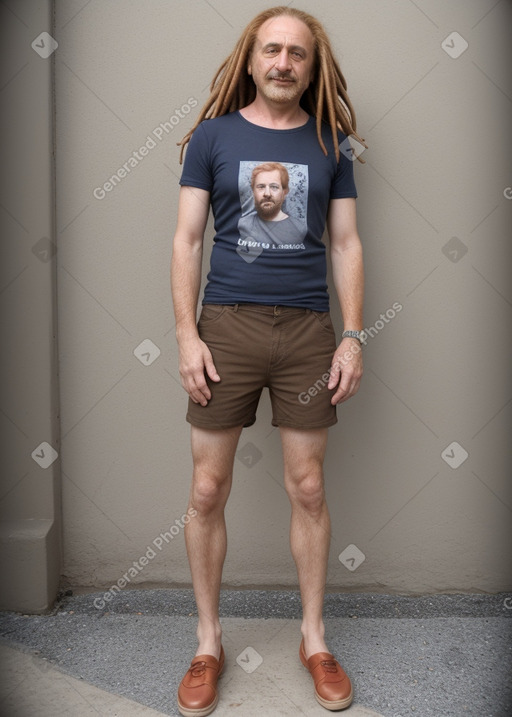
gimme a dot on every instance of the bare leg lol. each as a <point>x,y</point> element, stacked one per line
<point>303,453</point>
<point>213,453</point>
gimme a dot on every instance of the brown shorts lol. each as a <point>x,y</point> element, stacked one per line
<point>289,350</point>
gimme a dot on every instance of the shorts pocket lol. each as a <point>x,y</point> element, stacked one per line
<point>211,312</point>
<point>324,319</point>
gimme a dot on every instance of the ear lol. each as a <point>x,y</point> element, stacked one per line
<point>249,69</point>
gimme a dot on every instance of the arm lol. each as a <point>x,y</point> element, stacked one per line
<point>187,254</point>
<point>347,268</point>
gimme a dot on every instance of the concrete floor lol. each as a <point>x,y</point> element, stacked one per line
<point>442,656</point>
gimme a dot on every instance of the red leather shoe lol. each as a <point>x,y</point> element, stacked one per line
<point>332,686</point>
<point>197,693</point>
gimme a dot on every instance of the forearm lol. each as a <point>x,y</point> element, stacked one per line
<point>185,284</point>
<point>348,276</point>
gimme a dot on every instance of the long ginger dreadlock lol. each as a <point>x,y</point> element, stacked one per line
<point>326,98</point>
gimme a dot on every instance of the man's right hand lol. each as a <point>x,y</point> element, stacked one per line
<point>195,360</point>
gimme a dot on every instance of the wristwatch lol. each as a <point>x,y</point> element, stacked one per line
<point>353,335</point>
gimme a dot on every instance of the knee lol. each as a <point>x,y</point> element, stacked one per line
<point>307,490</point>
<point>209,493</point>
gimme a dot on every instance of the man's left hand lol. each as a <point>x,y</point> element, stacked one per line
<point>346,370</point>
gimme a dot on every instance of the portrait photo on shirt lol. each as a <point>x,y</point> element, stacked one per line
<point>273,200</point>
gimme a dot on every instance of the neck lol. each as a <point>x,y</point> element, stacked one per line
<point>279,217</point>
<point>274,115</point>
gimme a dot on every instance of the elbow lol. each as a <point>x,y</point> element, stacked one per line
<point>350,243</point>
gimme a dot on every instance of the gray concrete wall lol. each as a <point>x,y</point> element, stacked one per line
<point>436,373</point>
<point>30,483</point>
<point>418,467</point>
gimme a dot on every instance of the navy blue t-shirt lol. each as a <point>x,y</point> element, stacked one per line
<point>256,259</point>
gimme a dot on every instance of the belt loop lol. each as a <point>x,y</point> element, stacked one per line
<point>235,308</point>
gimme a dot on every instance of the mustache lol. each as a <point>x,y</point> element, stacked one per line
<point>280,76</point>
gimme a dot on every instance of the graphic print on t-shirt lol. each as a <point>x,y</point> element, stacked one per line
<point>273,200</point>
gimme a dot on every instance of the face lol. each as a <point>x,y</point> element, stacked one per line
<point>269,194</point>
<point>282,59</point>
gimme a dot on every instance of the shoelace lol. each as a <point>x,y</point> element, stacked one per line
<point>329,665</point>
<point>198,669</point>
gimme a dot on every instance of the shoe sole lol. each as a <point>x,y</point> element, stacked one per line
<point>203,712</point>
<point>338,705</point>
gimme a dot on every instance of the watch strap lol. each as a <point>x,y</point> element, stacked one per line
<point>353,335</point>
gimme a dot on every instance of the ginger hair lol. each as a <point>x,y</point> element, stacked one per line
<point>271,167</point>
<point>326,98</point>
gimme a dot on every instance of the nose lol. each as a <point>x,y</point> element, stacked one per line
<point>283,61</point>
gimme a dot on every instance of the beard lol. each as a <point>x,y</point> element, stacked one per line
<point>285,92</point>
<point>267,209</point>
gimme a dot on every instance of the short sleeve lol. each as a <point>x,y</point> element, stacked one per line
<point>196,167</point>
<point>343,184</point>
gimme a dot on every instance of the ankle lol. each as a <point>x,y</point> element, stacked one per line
<point>209,640</point>
<point>314,639</point>
<point>313,630</point>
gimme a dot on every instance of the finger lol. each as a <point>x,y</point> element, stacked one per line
<point>210,368</point>
<point>197,388</point>
<point>343,389</point>
<point>334,371</point>
<point>202,391</point>
<point>338,397</point>
<point>198,397</point>
<point>352,390</point>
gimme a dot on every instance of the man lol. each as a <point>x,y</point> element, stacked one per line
<point>265,322</point>
<point>269,224</point>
